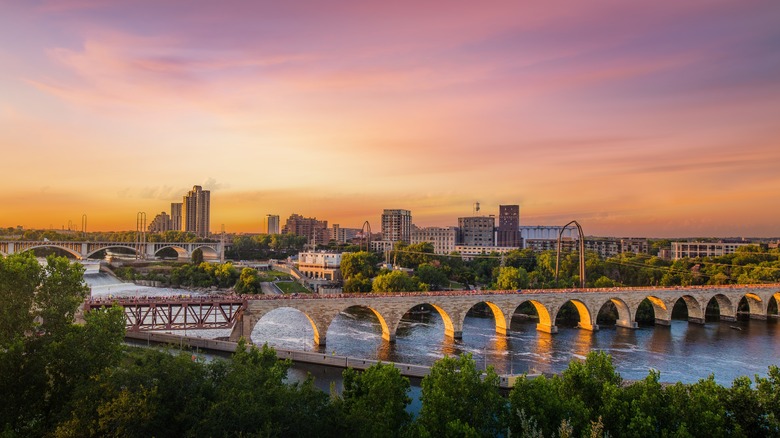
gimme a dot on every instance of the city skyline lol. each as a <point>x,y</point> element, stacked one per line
<point>634,119</point>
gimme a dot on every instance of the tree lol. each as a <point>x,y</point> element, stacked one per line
<point>248,283</point>
<point>358,263</point>
<point>197,256</point>
<point>510,278</point>
<point>20,275</point>
<point>432,276</point>
<point>374,401</point>
<point>455,394</point>
<point>394,281</point>
<point>357,283</point>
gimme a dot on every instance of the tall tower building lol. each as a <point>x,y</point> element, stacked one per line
<point>272,221</point>
<point>397,226</point>
<point>508,226</point>
<point>176,216</point>
<point>196,211</point>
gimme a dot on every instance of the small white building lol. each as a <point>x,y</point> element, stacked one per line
<point>320,265</point>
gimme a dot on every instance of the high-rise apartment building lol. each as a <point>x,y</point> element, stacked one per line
<point>508,233</point>
<point>476,231</point>
<point>160,224</point>
<point>196,211</point>
<point>316,231</point>
<point>176,216</point>
<point>397,226</point>
<point>272,223</point>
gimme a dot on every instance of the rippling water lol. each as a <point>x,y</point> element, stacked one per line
<point>683,352</point>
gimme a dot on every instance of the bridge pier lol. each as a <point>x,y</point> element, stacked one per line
<point>629,325</point>
<point>695,320</point>
<point>591,327</point>
<point>758,316</point>
<point>728,318</point>
<point>454,334</point>
<point>546,328</point>
<point>663,322</point>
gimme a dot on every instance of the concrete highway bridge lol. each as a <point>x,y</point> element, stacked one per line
<point>85,249</point>
<point>389,308</point>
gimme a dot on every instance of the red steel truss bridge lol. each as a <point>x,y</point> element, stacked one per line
<point>175,313</point>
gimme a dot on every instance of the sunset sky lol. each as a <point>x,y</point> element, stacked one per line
<point>657,119</point>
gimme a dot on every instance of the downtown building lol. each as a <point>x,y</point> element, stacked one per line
<point>272,223</point>
<point>397,226</point>
<point>196,212</point>
<point>508,232</point>
<point>315,231</point>
<point>477,231</point>
<point>443,239</point>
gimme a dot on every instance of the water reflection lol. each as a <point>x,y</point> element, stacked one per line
<point>682,351</point>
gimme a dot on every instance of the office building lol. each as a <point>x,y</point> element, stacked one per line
<point>508,233</point>
<point>272,223</point>
<point>442,238</point>
<point>476,231</point>
<point>196,211</point>
<point>397,226</point>
<point>315,231</point>
<point>176,216</point>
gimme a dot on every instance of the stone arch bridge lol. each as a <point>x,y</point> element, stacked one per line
<point>83,250</point>
<point>453,306</point>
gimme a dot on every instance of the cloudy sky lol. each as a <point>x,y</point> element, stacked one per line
<point>657,119</point>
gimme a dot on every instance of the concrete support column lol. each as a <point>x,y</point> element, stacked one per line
<point>591,327</point>
<point>663,322</point>
<point>84,250</point>
<point>695,320</point>
<point>758,316</point>
<point>728,318</point>
<point>547,328</point>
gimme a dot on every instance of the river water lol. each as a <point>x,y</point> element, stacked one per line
<point>683,352</point>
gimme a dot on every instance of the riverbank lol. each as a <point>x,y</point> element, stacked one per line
<point>307,357</point>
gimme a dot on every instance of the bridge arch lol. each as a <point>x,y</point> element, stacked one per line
<point>318,329</point>
<point>502,326</point>
<point>449,325</point>
<point>128,246</point>
<point>207,250</point>
<point>755,304</point>
<point>625,316</point>
<point>773,304</point>
<point>180,251</point>
<point>70,251</point>
<point>693,307</point>
<point>386,334</point>
<point>662,313</point>
<point>586,320</point>
<point>726,309</point>
<point>545,319</point>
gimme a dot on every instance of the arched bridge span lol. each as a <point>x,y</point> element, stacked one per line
<point>83,250</point>
<point>453,306</point>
